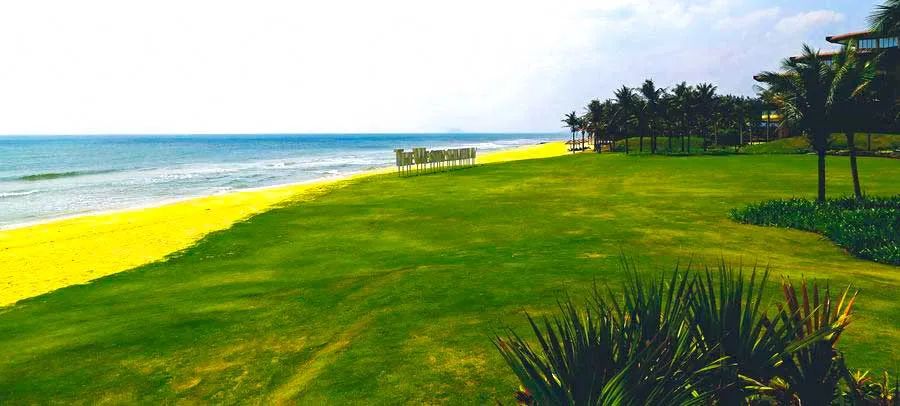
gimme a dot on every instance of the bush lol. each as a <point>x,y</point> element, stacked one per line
<point>868,228</point>
<point>692,338</point>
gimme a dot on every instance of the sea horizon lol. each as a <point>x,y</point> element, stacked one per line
<point>49,177</point>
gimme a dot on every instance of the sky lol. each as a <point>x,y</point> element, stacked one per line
<point>339,66</point>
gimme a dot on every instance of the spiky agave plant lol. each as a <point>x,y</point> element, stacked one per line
<point>635,352</point>
<point>665,364</point>
<point>577,352</point>
<point>810,369</point>
<point>729,318</point>
<point>689,339</point>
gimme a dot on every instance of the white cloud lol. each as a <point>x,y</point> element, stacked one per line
<point>748,20</point>
<point>803,22</point>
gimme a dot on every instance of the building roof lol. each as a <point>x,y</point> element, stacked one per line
<point>822,55</point>
<point>827,55</point>
<point>836,39</point>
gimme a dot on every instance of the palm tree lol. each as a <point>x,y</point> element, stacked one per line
<point>608,123</point>
<point>745,112</point>
<point>652,98</point>
<point>755,121</point>
<point>683,103</point>
<point>627,101</point>
<point>886,18</point>
<point>595,112</point>
<point>801,93</point>
<point>572,122</point>
<point>849,98</point>
<point>728,115</point>
<point>666,120</point>
<point>584,123</point>
<point>706,106</point>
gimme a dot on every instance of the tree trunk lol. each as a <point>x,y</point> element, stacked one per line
<point>716,136</point>
<point>853,169</point>
<point>869,147</point>
<point>640,141</point>
<point>821,153</point>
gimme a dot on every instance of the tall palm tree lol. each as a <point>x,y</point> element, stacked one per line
<point>572,122</point>
<point>728,115</point>
<point>584,126</point>
<point>683,102</point>
<point>652,98</point>
<point>752,117</point>
<point>609,124</point>
<point>706,107</point>
<point>640,117</point>
<point>627,101</point>
<point>665,122</point>
<point>801,93</point>
<point>596,113</point>
<point>849,99</point>
<point>757,106</point>
<point>886,18</point>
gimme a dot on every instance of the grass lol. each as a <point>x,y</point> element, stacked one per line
<point>790,145</point>
<point>389,290</point>
<point>799,144</point>
<point>662,145</point>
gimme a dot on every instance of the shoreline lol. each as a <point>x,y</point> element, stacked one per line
<point>47,255</point>
<point>487,158</point>
<point>177,200</point>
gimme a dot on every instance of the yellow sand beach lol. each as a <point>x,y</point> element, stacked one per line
<point>44,257</point>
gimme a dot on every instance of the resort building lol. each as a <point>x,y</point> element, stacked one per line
<point>869,44</point>
<point>866,42</point>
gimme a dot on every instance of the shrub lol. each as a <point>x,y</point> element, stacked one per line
<point>868,228</point>
<point>861,389</point>
<point>694,338</point>
<point>635,351</point>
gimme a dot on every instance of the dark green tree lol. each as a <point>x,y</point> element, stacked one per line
<point>627,113</point>
<point>886,18</point>
<point>572,122</point>
<point>651,110</point>
<point>705,108</point>
<point>801,94</point>
<point>850,101</point>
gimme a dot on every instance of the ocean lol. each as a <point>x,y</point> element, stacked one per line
<point>48,177</point>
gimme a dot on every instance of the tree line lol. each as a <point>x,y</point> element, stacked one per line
<point>678,113</point>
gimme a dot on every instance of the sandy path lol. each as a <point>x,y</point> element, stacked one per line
<point>44,257</point>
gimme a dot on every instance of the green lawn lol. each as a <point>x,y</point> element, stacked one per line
<point>662,144</point>
<point>388,290</point>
